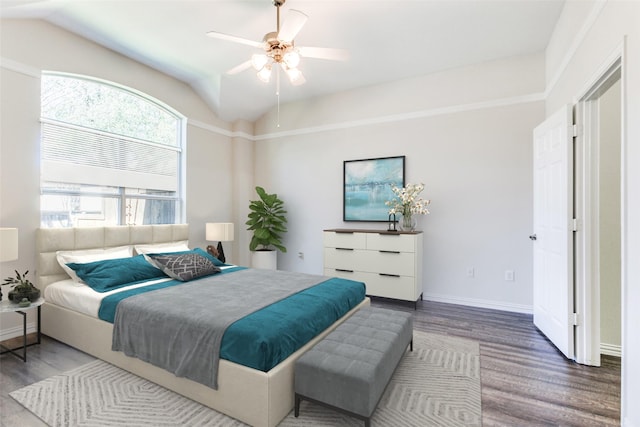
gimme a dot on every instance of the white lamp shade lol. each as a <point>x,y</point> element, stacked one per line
<point>8,244</point>
<point>219,231</point>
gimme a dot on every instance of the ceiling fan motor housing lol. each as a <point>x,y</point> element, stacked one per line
<point>275,48</point>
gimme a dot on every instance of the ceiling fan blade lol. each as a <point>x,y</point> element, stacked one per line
<point>239,68</point>
<point>228,37</point>
<point>323,53</point>
<point>292,25</point>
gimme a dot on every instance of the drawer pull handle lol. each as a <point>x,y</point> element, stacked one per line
<point>389,275</point>
<point>344,249</point>
<point>390,233</point>
<point>389,252</point>
<point>343,270</point>
<point>343,232</point>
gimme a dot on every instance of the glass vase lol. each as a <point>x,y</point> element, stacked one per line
<point>407,222</point>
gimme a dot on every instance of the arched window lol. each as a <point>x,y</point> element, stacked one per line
<point>109,156</point>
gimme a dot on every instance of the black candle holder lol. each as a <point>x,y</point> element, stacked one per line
<point>392,223</point>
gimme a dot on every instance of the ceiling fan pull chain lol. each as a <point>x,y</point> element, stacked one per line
<point>278,94</point>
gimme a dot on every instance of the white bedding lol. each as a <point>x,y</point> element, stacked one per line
<point>80,297</point>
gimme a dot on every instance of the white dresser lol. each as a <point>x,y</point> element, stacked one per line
<point>389,263</point>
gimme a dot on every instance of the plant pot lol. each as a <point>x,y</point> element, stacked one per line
<point>17,296</point>
<point>267,260</point>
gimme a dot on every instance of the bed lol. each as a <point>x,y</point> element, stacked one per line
<point>250,395</point>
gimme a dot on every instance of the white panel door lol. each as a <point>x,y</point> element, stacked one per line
<point>553,230</point>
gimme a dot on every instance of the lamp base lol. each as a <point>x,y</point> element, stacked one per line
<point>221,253</point>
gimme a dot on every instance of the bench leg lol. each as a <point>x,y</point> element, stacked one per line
<point>411,345</point>
<point>296,411</point>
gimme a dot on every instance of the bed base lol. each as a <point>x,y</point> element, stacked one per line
<point>260,399</point>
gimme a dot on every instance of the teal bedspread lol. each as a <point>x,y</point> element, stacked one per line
<point>268,336</point>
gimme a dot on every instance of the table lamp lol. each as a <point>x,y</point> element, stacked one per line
<point>219,232</point>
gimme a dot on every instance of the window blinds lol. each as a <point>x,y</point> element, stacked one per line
<point>79,155</point>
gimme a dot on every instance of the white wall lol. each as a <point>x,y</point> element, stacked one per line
<point>589,33</point>
<point>466,133</point>
<point>28,47</point>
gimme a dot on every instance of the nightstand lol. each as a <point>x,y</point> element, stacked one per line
<point>7,306</point>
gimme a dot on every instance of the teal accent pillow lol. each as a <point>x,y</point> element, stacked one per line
<point>110,274</point>
<point>184,266</point>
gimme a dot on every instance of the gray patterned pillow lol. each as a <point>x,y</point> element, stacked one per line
<point>183,267</point>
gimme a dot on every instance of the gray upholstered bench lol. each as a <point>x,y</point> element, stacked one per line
<point>350,368</point>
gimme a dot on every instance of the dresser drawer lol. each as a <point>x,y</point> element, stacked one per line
<point>401,287</point>
<point>343,258</point>
<point>391,242</point>
<point>400,263</point>
<point>333,239</point>
<point>346,274</point>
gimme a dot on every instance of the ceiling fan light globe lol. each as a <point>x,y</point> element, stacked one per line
<point>292,59</point>
<point>258,61</point>
<point>264,74</point>
<point>295,76</point>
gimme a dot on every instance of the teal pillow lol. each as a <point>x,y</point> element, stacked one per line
<point>210,257</point>
<point>110,274</point>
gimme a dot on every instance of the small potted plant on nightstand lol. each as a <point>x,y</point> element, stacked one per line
<point>23,288</point>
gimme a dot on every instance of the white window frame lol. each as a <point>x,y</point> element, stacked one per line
<point>121,195</point>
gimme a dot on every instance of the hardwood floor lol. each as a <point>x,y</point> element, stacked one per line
<point>525,380</point>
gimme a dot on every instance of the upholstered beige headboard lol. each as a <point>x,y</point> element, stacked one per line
<point>50,240</point>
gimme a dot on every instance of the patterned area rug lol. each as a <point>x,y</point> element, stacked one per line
<point>438,384</point>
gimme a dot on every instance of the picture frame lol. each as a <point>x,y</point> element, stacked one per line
<point>367,186</point>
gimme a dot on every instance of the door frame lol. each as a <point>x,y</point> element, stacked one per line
<point>586,193</point>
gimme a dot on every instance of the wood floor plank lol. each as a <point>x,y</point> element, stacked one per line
<point>525,380</point>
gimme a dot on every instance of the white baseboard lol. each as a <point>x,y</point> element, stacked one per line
<point>611,349</point>
<point>472,302</point>
<point>9,333</point>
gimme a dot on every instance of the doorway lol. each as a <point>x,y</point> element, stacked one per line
<point>598,203</point>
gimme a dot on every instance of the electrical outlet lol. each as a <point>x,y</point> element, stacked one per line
<point>301,255</point>
<point>509,275</point>
<point>471,272</point>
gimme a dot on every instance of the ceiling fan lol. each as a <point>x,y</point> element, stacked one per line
<point>279,48</point>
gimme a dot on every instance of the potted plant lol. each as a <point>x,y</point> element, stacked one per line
<point>267,220</point>
<point>23,288</point>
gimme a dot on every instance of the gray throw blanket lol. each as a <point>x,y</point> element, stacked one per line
<point>180,328</point>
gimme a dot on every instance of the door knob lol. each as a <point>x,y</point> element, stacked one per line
<point>533,237</point>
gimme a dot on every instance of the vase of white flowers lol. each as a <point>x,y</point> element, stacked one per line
<point>407,204</point>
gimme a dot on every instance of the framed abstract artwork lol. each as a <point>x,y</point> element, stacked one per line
<point>367,186</point>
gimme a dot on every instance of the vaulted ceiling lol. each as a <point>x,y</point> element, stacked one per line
<point>386,40</point>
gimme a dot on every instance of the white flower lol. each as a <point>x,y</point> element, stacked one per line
<point>406,200</point>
